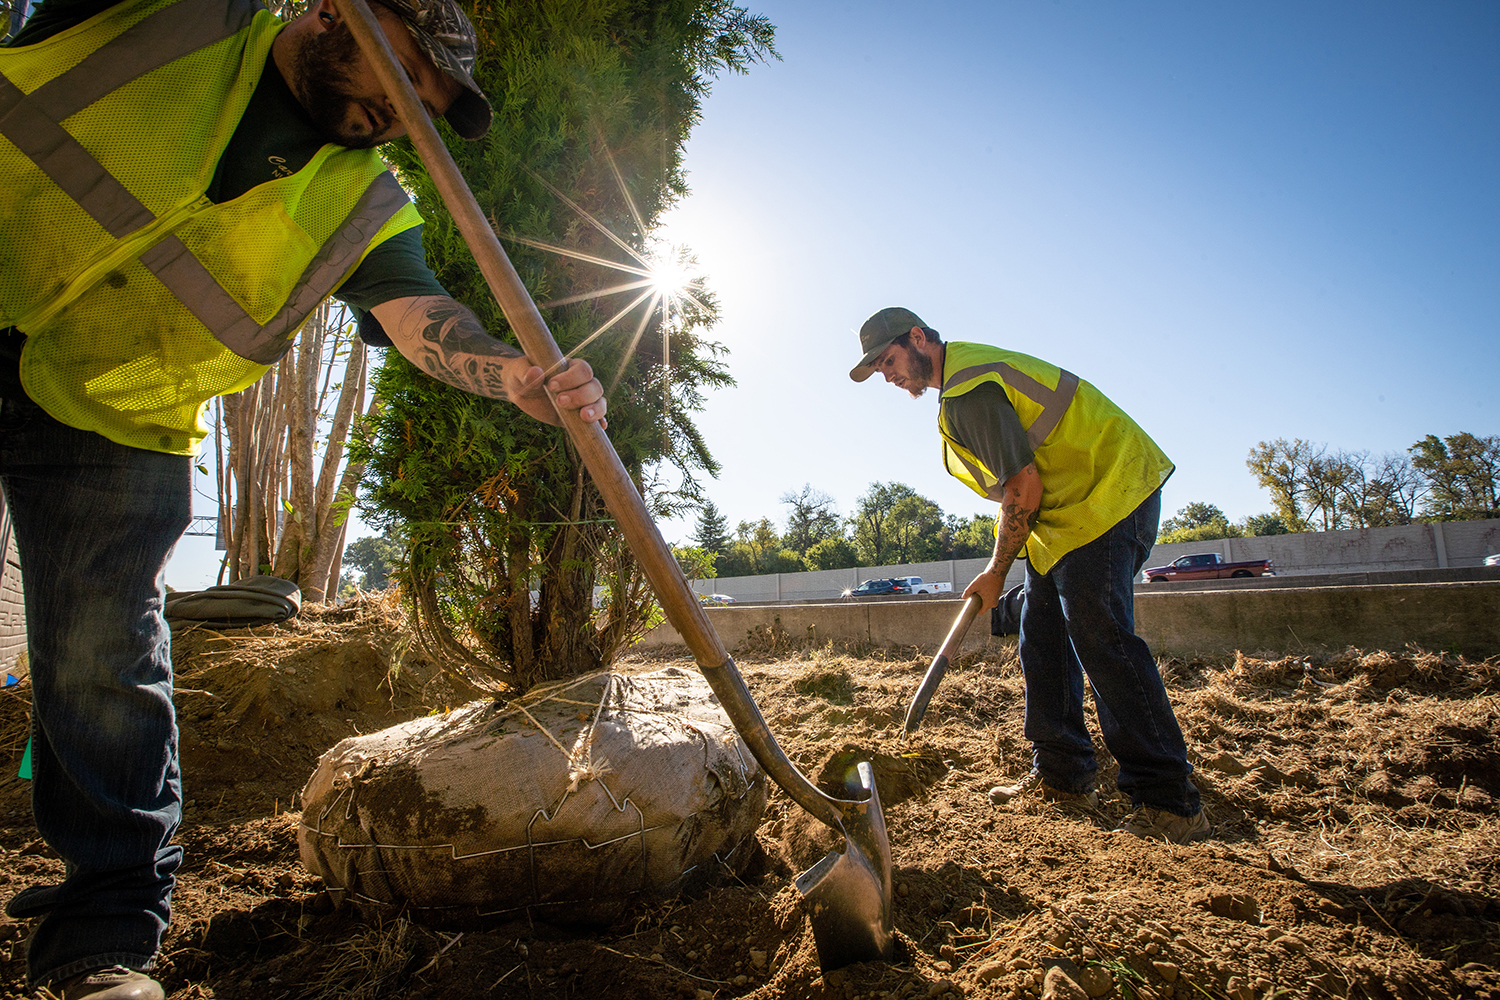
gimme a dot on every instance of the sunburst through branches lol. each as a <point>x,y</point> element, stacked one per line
<point>661,275</point>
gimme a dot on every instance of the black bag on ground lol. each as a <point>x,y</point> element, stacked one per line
<point>1005,617</point>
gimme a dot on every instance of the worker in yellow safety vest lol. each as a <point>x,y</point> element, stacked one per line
<point>1078,485</point>
<point>184,182</point>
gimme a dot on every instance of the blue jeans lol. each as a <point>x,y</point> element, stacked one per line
<point>94,524</point>
<point>1080,619</point>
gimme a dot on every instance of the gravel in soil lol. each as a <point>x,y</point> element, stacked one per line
<point>1353,795</point>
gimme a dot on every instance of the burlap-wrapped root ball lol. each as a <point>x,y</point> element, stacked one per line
<point>572,802</point>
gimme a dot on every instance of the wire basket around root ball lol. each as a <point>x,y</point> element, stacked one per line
<point>570,802</point>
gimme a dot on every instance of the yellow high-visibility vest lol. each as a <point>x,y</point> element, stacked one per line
<point>1095,463</point>
<point>140,298</point>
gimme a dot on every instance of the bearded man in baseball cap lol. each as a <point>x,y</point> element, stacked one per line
<point>1078,487</point>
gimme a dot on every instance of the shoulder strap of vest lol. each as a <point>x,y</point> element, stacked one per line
<point>34,127</point>
<point>1054,402</point>
<point>165,36</point>
<point>236,330</point>
<point>31,121</point>
<point>192,284</point>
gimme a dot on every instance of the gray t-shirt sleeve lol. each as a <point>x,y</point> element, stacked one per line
<point>984,421</point>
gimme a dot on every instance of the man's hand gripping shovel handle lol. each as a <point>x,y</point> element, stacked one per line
<point>848,893</point>
<point>940,662</point>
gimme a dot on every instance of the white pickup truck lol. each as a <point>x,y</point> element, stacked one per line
<point>918,587</point>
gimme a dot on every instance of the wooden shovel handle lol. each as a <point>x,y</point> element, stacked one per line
<point>677,599</point>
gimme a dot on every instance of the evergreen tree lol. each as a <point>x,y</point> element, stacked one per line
<point>594,101</point>
<point>712,531</point>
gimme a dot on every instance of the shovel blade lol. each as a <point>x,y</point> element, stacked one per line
<point>848,893</point>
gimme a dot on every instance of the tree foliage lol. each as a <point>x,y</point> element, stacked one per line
<point>813,517</point>
<point>757,549</point>
<point>969,537</point>
<point>1262,524</point>
<point>1197,522</point>
<point>833,553</point>
<point>696,563</point>
<point>1314,487</point>
<point>375,556</point>
<point>893,523</point>
<point>1463,476</point>
<point>711,534</point>
<point>509,538</point>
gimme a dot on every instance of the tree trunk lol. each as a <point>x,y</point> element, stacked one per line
<point>334,493</point>
<point>287,511</point>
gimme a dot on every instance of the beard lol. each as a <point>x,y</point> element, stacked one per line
<point>323,88</point>
<point>920,368</point>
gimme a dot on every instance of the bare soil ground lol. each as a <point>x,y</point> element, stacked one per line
<point>1356,850</point>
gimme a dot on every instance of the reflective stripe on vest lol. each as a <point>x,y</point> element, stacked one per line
<point>32,123</point>
<point>1054,404</point>
<point>1054,401</point>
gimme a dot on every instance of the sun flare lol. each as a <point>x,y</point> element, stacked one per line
<point>671,277</point>
<point>662,275</point>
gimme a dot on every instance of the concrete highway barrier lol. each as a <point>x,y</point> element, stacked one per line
<point>1453,615</point>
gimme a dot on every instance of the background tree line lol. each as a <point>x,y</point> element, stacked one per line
<point>1312,488</point>
<point>1317,488</point>
<point>891,524</point>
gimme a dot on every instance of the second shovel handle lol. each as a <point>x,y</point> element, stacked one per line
<point>939,667</point>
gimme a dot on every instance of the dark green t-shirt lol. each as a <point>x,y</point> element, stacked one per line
<point>275,138</point>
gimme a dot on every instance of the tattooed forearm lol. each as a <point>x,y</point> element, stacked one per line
<point>450,345</point>
<point>1020,509</point>
<point>1016,524</point>
<point>445,340</point>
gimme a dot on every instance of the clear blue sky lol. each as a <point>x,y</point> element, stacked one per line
<point>1240,221</point>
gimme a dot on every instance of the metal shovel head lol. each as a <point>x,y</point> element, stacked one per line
<point>848,892</point>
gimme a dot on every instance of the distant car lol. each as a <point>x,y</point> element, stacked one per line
<point>874,588</point>
<point>715,599</point>
<point>1207,566</point>
<point>916,585</point>
<point>1493,560</point>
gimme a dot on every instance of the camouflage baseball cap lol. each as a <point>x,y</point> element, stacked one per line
<point>876,335</point>
<point>442,30</point>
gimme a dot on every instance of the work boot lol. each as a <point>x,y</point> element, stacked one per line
<point>1151,823</point>
<point>113,983</point>
<point>1034,782</point>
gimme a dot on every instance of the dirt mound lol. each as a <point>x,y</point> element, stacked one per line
<point>1353,798</point>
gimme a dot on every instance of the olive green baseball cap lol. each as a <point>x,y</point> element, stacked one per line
<point>876,335</point>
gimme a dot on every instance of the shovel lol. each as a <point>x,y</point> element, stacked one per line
<point>848,893</point>
<point>939,667</point>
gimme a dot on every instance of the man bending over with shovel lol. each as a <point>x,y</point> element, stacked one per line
<point>1079,488</point>
<point>185,182</point>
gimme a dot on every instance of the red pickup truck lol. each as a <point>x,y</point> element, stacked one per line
<point>1207,566</point>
